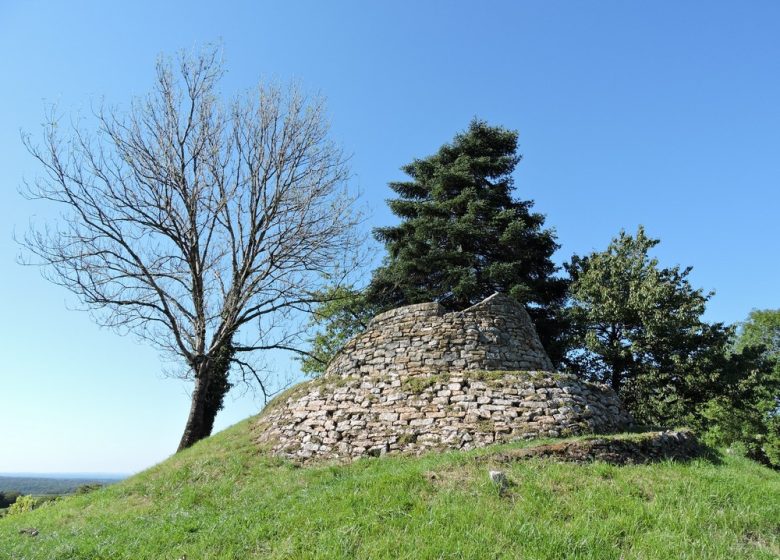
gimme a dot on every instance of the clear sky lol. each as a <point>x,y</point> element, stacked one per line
<point>660,113</point>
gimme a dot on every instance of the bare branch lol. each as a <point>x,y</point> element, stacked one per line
<point>189,221</point>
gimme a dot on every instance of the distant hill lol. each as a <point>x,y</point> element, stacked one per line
<point>225,499</point>
<point>51,485</point>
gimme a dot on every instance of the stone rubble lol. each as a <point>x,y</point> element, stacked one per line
<point>500,480</point>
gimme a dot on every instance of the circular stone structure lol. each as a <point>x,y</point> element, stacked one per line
<point>419,378</point>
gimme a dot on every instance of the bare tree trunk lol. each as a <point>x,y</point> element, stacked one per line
<point>616,379</point>
<point>219,385</point>
<point>195,429</point>
<point>211,386</point>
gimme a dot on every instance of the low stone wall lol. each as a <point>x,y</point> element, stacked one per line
<point>352,416</point>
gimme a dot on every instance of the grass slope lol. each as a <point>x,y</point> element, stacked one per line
<point>220,499</point>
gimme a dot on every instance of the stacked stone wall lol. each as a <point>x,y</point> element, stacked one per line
<point>356,416</point>
<point>419,379</point>
<point>495,334</point>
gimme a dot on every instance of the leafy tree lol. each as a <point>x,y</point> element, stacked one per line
<point>22,504</point>
<point>8,497</point>
<point>761,329</point>
<point>637,327</point>
<point>463,236</point>
<point>343,313</point>
<point>201,226</point>
<point>747,415</point>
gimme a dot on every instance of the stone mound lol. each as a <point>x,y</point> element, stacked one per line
<point>419,379</point>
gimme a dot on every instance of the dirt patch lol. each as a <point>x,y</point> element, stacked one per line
<point>630,450</point>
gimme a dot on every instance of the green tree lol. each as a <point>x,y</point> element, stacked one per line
<point>463,236</point>
<point>637,327</point>
<point>747,415</point>
<point>22,504</point>
<point>8,497</point>
<point>761,329</point>
<point>343,313</point>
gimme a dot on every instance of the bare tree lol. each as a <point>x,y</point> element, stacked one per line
<point>201,226</point>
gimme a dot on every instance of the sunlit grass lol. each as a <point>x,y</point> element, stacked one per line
<point>221,499</point>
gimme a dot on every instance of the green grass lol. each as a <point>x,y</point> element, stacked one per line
<point>221,499</point>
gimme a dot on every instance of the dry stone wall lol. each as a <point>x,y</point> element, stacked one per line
<point>495,334</point>
<point>419,379</point>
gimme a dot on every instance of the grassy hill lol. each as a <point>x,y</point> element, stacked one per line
<point>221,499</point>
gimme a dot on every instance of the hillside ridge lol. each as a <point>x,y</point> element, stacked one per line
<point>222,499</point>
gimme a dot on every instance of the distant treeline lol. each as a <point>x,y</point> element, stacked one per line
<point>7,498</point>
<point>47,486</point>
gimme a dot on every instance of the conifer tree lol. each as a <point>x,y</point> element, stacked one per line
<point>463,236</point>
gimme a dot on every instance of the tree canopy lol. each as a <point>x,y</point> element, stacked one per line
<point>343,313</point>
<point>746,413</point>
<point>761,329</point>
<point>638,327</point>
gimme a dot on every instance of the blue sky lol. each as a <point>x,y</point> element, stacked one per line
<point>659,113</point>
